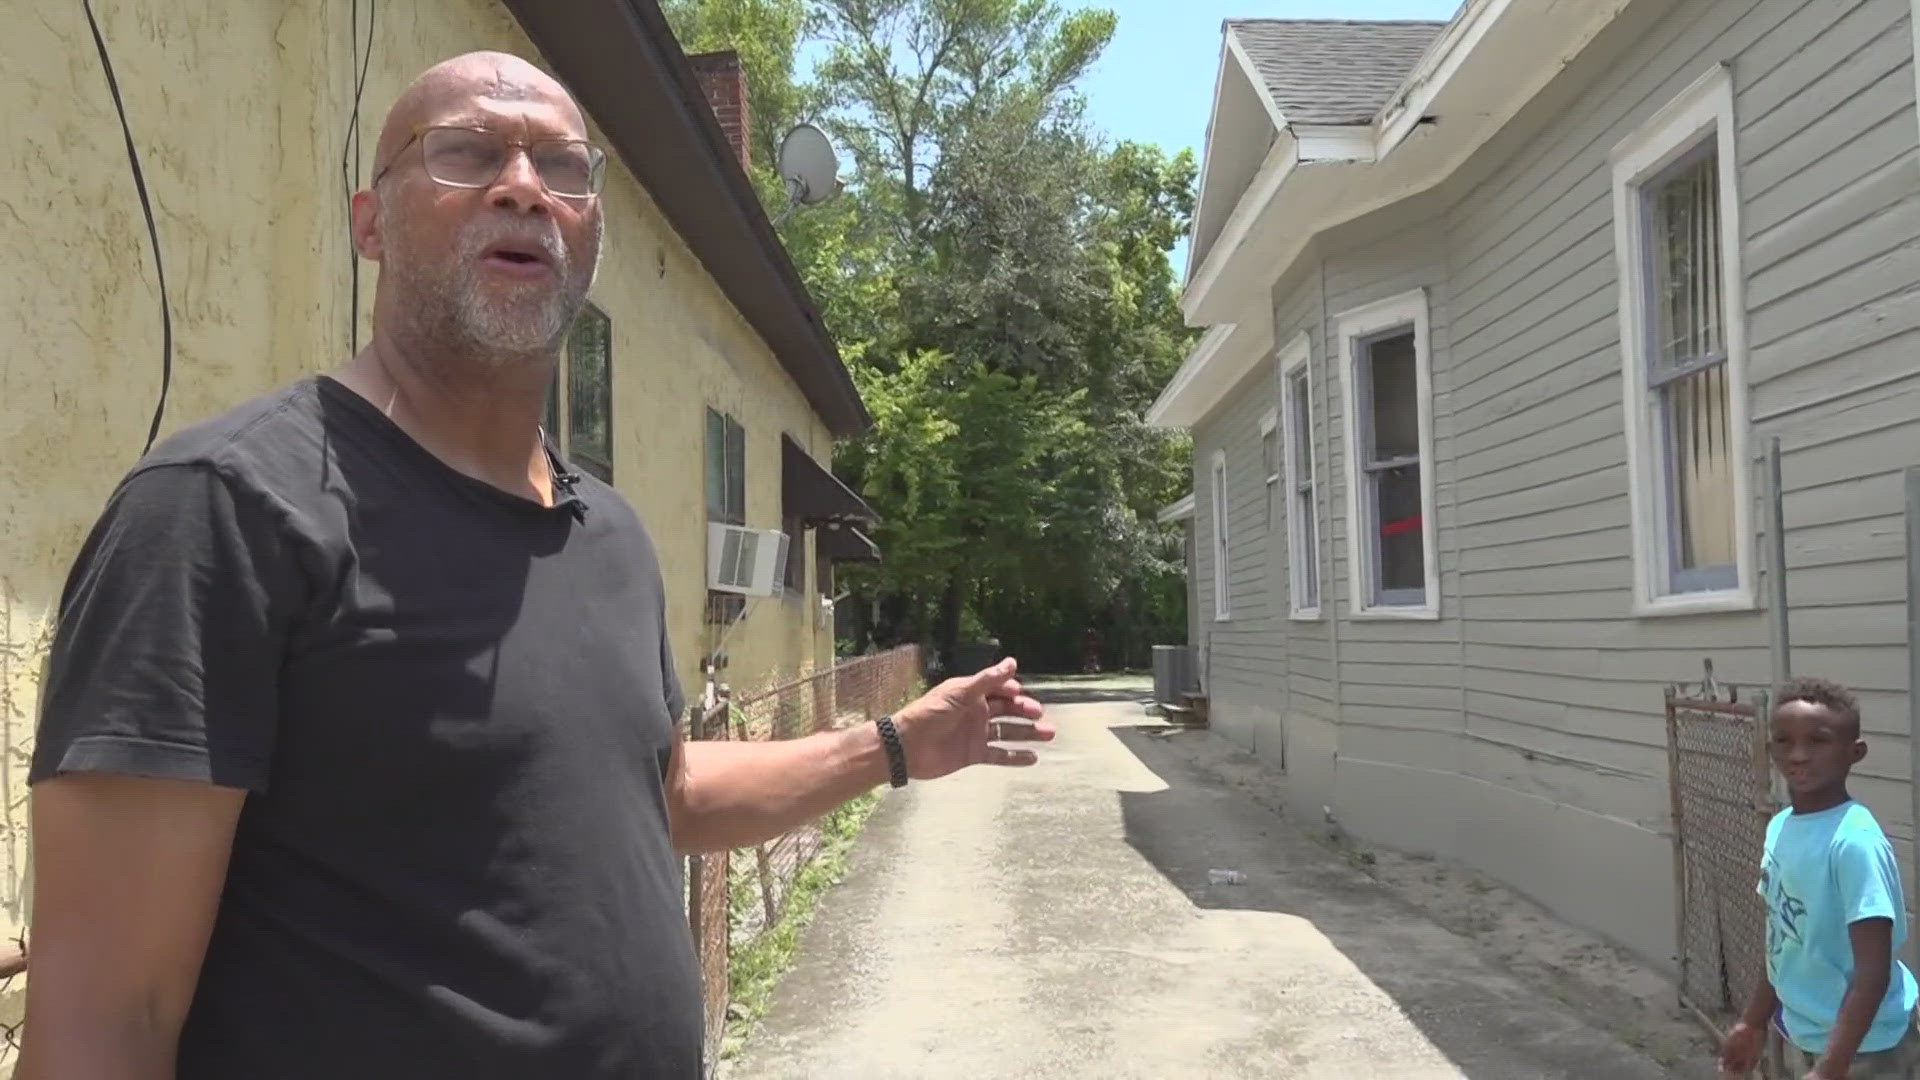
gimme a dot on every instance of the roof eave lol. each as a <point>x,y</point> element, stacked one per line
<point>1302,156</point>
<point>1224,356</point>
<point>1537,37</point>
<point>622,62</point>
<point>1180,509</point>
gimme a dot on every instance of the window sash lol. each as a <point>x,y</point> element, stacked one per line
<point>1303,515</point>
<point>1222,544</point>
<point>1306,561</point>
<point>726,469</point>
<point>590,392</point>
<point>1695,431</point>
<point>736,472</point>
<point>1374,468</point>
<point>1681,265</point>
<point>1687,371</point>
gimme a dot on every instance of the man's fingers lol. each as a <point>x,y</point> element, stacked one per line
<point>1018,706</point>
<point>1000,755</point>
<point>1014,730</point>
<point>993,680</point>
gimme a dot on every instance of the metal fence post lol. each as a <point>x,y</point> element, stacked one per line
<point>1779,616</point>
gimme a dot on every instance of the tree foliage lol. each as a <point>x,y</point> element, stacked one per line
<point>996,274</point>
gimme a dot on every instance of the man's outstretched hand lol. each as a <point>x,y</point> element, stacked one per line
<point>957,723</point>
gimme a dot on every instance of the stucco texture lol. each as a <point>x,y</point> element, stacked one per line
<point>239,112</point>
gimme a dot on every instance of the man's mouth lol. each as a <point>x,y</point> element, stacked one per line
<point>518,259</point>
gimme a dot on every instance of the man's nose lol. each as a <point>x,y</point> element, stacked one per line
<point>519,188</point>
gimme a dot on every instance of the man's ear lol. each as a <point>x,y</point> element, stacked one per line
<point>1859,750</point>
<point>366,225</point>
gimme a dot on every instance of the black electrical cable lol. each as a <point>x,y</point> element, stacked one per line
<point>153,230</point>
<point>351,148</point>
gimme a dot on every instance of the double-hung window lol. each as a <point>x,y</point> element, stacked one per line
<point>1386,370</point>
<point>1677,232</point>
<point>1301,490</point>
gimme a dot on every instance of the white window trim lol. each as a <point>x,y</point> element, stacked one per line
<point>1222,539</point>
<point>1298,356</point>
<point>1706,106</point>
<point>1408,308</point>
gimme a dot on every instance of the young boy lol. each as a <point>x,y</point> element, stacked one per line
<point>1840,1002</point>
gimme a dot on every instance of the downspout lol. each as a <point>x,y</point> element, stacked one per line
<point>1330,590</point>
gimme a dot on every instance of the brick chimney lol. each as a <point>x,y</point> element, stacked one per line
<point>724,81</point>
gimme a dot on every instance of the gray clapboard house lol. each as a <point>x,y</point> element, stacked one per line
<point>1500,313</point>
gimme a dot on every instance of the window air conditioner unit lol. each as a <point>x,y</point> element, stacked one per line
<point>750,562</point>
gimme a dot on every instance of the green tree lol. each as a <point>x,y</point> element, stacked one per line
<point>997,277</point>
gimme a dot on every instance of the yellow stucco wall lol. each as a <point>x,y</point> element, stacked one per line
<point>240,112</point>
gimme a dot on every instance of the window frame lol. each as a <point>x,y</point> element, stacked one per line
<point>1222,538</point>
<point>589,460</point>
<point>723,608</point>
<point>732,484</point>
<point>1700,116</point>
<point>1297,362</point>
<point>1365,324</point>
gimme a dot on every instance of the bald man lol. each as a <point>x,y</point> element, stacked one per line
<point>357,755</point>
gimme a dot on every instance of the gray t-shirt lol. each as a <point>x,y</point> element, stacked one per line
<point>452,710</point>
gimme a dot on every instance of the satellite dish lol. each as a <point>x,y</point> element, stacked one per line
<point>810,167</point>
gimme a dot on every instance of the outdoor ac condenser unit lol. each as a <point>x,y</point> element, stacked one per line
<point>750,562</point>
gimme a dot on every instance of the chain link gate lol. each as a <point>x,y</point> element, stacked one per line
<point>1721,783</point>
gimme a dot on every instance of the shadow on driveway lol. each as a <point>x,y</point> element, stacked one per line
<point>1484,1020</point>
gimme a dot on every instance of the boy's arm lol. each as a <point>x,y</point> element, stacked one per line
<point>1872,973</point>
<point>1761,1005</point>
<point>1740,1052</point>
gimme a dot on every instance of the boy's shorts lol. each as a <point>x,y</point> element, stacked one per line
<point>1902,1062</point>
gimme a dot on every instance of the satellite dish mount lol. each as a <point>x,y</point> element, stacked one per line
<point>809,167</point>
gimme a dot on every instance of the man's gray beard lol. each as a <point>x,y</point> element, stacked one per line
<point>449,312</point>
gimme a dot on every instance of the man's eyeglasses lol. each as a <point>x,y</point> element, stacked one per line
<point>465,157</point>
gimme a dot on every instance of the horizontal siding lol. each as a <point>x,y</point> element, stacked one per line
<point>1539,681</point>
<point>1832,219</point>
<point>1394,675</point>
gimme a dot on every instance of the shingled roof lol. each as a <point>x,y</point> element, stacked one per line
<point>1332,72</point>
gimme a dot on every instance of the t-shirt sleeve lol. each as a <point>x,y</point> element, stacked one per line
<point>669,678</point>
<point>166,659</point>
<point>1867,876</point>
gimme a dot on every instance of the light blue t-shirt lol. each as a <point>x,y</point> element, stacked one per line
<point>1822,873</point>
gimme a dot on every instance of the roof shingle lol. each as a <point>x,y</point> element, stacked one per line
<point>1332,72</point>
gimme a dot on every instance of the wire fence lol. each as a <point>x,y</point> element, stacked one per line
<point>732,898</point>
<point>13,970</point>
<point>1721,787</point>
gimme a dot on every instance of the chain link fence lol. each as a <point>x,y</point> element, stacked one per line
<point>13,1005</point>
<point>733,898</point>
<point>1721,783</point>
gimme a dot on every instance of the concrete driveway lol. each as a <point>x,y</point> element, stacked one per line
<point>1059,922</point>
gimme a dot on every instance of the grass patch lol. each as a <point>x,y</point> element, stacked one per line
<point>756,968</point>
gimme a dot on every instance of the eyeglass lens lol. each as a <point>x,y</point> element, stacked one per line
<point>461,157</point>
